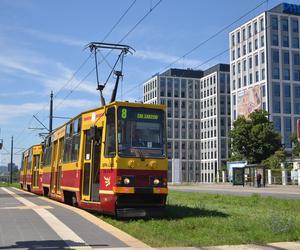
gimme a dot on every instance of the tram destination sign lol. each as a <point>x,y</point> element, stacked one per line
<point>147,116</point>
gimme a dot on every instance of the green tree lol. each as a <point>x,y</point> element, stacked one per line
<point>275,160</point>
<point>296,147</point>
<point>254,139</point>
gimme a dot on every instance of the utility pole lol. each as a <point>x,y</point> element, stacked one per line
<point>11,158</point>
<point>51,113</point>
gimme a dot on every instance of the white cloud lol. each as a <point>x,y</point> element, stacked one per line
<point>12,111</point>
<point>9,112</point>
<point>56,38</point>
<point>10,64</point>
<point>19,93</point>
<point>165,58</point>
<point>74,103</point>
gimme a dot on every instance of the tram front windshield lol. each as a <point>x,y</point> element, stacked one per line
<point>141,132</point>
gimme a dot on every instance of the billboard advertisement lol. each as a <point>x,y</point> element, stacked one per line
<point>248,100</point>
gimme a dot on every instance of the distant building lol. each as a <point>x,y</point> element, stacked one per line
<point>3,169</point>
<point>197,105</point>
<point>14,167</point>
<point>265,67</point>
<point>215,120</point>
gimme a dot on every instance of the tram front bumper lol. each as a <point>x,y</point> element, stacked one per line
<point>140,212</point>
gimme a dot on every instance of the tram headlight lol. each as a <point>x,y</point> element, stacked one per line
<point>156,181</point>
<point>126,181</point>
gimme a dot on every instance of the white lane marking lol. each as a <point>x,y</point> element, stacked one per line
<point>62,230</point>
<point>25,207</point>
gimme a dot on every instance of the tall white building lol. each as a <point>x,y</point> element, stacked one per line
<point>197,117</point>
<point>265,67</point>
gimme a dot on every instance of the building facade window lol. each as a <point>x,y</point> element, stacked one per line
<point>274,39</point>
<point>287,90</point>
<point>284,24</point>
<point>276,90</point>
<point>286,58</point>
<point>296,75</point>
<point>262,57</point>
<point>250,62</point>
<point>262,41</point>
<point>285,41</point>
<point>256,59</point>
<point>275,73</point>
<point>277,123</point>
<point>287,107</point>
<point>274,23</point>
<point>276,106</point>
<point>296,59</point>
<point>295,42</point>
<point>275,56</point>
<point>295,25</point>
<point>262,25</point>
<point>297,91</point>
<point>263,74</point>
<point>286,74</point>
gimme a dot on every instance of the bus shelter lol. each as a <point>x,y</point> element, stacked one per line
<point>250,175</point>
<point>255,175</point>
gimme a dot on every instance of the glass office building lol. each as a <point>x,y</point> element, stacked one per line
<point>197,117</point>
<point>265,68</point>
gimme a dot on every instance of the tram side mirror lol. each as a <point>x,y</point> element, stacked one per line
<point>1,144</point>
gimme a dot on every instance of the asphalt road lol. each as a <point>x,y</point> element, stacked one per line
<point>282,192</point>
<point>29,222</point>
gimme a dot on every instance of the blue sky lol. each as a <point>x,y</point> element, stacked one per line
<point>42,45</point>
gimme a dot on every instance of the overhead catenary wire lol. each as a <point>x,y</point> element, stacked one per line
<point>122,39</point>
<point>214,35</point>
<point>202,43</point>
<point>76,72</point>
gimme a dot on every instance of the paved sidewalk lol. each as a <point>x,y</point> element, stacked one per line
<point>277,191</point>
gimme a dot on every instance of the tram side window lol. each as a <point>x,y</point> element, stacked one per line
<point>110,138</point>
<point>76,140</point>
<point>22,162</point>
<point>68,143</point>
<point>48,153</point>
<point>29,159</point>
<point>61,148</point>
<point>72,141</point>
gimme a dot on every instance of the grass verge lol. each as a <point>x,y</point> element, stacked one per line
<point>197,219</point>
<point>5,184</point>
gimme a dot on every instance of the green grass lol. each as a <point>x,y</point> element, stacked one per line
<point>197,219</point>
<point>14,184</point>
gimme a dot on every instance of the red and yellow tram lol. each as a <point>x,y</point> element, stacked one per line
<point>30,175</point>
<point>110,159</point>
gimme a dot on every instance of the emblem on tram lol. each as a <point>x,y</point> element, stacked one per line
<point>107,181</point>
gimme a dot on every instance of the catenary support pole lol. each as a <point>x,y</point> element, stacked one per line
<point>51,113</point>
<point>11,158</point>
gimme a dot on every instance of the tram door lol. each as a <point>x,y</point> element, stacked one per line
<point>54,168</point>
<point>36,170</point>
<point>59,166</point>
<point>25,171</point>
<point>91,164</point>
